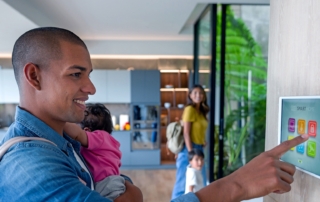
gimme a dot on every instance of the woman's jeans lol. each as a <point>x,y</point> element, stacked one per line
<point>182,162</point>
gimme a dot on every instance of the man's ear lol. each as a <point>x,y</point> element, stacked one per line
<point>32,75</point>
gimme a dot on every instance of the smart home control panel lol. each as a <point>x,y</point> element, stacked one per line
<point>298,116</point>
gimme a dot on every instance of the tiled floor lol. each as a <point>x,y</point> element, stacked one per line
<point>157,185</point>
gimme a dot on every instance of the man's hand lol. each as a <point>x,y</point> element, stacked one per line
<point>262,175</point>
<point>132,194</point>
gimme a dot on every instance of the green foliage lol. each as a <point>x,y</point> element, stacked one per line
<point>245,116</point>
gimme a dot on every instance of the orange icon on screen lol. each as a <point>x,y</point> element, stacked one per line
<point>301,126</point>
<point>312,128</point>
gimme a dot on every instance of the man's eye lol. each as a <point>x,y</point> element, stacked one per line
<point>76,74</point>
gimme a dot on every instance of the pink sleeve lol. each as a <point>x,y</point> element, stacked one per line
<point>95,139</point>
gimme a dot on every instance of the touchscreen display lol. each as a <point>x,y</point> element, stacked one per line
<point>301,116</point>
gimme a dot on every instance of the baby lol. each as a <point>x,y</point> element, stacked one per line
<point>100,150</point>
<point>194,179</point>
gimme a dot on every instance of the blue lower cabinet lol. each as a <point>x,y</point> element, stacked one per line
<point>123,137</point>
<point>143,157</point>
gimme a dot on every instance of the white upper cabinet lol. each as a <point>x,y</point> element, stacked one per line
<point>9,92</point>
<point>118,86</point>
<point>98,78</point>
<point>112,86</point>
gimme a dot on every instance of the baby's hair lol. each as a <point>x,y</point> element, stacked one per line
<point>97,117</point>
<point>195,152</point>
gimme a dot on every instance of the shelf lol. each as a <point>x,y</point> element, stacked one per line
<point>172,108</point>
<point>144,129</point>
<point>145,121</point>
<point>174,89</point>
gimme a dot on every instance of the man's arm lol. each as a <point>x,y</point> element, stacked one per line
<point>132,194</point>
<point>76,133</point>
<point>41,172</point>
<point>262,175</point>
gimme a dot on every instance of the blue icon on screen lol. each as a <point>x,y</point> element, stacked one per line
<point>300,148</point>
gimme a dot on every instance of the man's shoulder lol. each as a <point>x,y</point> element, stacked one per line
<point>30,147</point>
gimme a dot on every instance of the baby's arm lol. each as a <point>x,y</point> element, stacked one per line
<point>75,132</point>
<point>190,188</point>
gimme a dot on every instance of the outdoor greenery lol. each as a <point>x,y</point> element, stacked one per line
<point>245,116</point>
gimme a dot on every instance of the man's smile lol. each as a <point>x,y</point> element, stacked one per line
<point>80,103</point>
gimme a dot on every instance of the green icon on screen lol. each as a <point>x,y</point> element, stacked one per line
<point>311,148</point>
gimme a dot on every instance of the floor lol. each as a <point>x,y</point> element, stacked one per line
<point>157,185</point>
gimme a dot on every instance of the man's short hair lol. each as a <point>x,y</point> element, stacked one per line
<point>40,46</point>
<point>195,152</point>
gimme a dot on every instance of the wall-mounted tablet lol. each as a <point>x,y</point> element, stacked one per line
<point>298,116</point>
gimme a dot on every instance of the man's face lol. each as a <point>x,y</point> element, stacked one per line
<point>65,85</point>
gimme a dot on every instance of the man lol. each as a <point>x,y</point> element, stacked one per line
<point>52,68</point>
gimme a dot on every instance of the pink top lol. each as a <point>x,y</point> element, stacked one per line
<point>102,155</point>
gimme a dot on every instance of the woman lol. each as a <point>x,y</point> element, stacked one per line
<point>194,131</point>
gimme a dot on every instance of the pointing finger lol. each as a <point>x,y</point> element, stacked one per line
<point>279,150</point>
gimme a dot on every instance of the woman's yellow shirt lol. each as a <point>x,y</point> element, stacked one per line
<point>199,124</point>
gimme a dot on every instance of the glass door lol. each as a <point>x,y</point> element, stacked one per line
<point>231,46</point>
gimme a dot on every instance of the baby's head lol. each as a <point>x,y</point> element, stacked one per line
<point>196,158</point>
<point>97,117</point>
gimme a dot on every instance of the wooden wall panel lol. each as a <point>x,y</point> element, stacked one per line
<point>294,70</point>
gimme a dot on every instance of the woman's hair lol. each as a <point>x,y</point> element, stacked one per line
<point>97,117</point>
<point>204,108</point>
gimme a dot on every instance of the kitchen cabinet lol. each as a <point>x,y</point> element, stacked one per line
<point>118,86</point>
<point>174,90</point>
<point>9,92</point>
<point>135,157</point>
<point>98,78</point>
<point>145,127</point>
<point>112,86</point>
<point>145,85</point>
<point>123,137</point>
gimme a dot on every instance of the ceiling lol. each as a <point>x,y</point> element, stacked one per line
<point>111,28</point>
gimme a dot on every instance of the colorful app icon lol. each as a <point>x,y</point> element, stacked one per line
<point>290,137</point>
<point>312,128</point>
<point>291,124</point>
<point>301,126</point>
<point>300,148</point>
<point>311,148</point>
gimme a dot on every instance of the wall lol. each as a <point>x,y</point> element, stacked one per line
<point>293,70</point>
<point>7,113</point>
<point>125,63</point>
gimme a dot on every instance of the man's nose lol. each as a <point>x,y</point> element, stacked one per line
<point>89,87</point>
